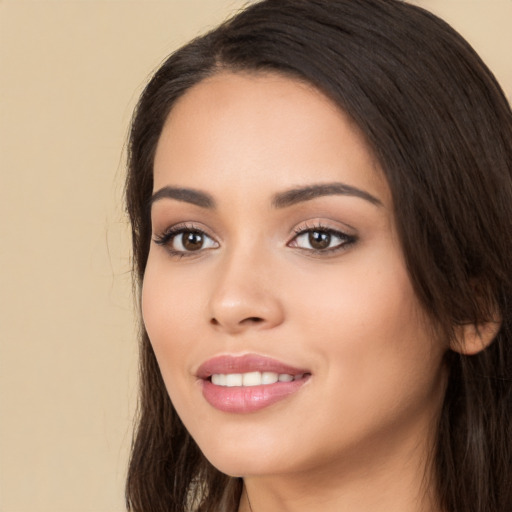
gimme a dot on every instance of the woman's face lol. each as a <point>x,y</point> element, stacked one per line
<point>275,257</point>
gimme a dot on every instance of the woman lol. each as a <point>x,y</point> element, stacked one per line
<point>321,200</point>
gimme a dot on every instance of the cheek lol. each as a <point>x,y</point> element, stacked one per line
<point>169,312</point>
<point>379,366</point>
<point>172,305</point>
<point>170,298</point>
<point>373,295</point>
<point>367,324</point>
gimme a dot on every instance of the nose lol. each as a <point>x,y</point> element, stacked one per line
<point>245,296</point>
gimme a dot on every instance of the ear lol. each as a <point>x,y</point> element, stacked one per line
<point>470,339</point>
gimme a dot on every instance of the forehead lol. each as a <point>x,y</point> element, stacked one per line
<point>254,126</point>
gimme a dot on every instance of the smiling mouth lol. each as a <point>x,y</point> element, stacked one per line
<point>248,383</point>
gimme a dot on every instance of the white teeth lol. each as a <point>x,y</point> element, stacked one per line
<point>269,377</point>
<point>233,379</point>
<point>219,379</point>
<point>252,378</point>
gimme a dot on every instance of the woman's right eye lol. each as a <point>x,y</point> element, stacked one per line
<point>184,241</point>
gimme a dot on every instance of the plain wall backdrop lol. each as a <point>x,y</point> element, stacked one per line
<point>70,74</point>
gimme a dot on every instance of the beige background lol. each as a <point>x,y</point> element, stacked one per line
<point>70,75</point>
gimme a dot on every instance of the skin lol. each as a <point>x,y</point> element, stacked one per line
<point>357,436</point>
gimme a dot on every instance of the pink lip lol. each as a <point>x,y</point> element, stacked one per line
<point>244,364</point>
<point>252,398</point>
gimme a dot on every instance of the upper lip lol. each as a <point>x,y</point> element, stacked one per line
<point>225,364</point>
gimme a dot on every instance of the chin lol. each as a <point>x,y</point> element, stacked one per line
<point>250,459</point>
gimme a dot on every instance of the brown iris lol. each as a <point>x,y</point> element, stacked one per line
<point>192,240</point>
<point>319,239</point>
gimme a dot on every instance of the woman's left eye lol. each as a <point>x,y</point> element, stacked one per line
<point>321,240</point>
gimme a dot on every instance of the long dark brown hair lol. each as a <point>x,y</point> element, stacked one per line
<point>441,128</point>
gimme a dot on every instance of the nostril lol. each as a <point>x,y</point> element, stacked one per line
<point>252,320</point>
<point>248,320</point>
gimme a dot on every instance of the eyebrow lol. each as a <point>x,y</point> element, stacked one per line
<point>300,194</point>
<point>187,195</point>
<point>279,200</point>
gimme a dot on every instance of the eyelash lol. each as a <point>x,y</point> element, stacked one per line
<point>169,235</point>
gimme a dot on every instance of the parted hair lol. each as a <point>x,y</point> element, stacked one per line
<point>441,129</point>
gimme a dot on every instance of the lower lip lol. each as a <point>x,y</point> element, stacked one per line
<point>248,399</point>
